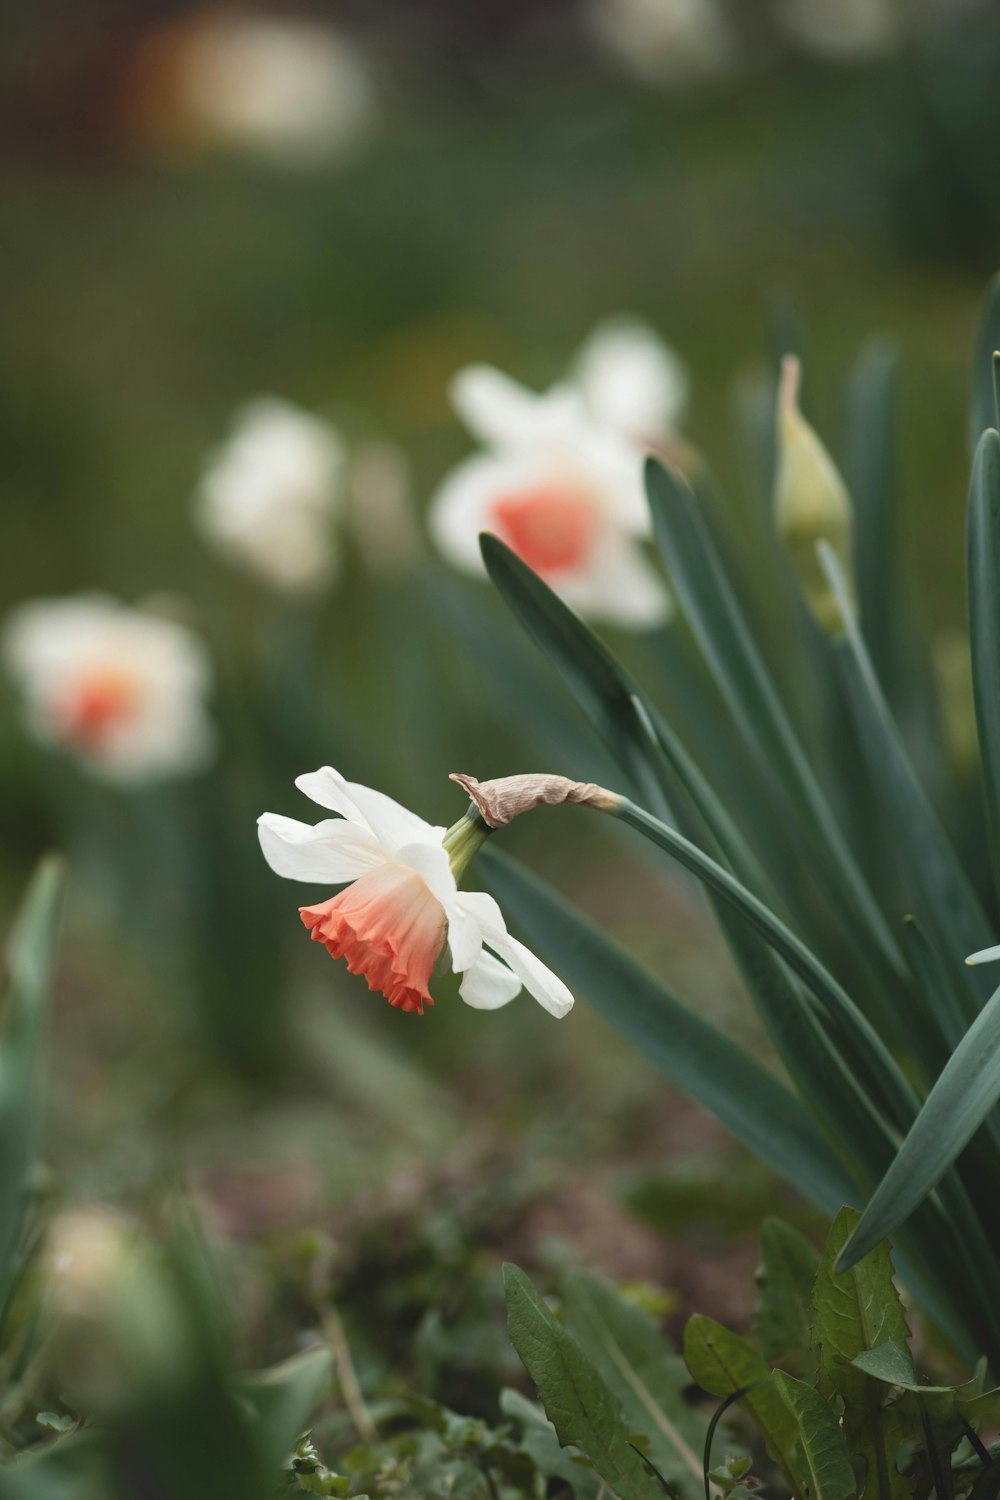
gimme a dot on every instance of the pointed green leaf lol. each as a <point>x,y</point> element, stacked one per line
<point>956,1106</point>
<point>723,1364</point>
<point>823,1451</point>
<point>754,1105</point>
<point>577,1401</point>
<point>785,1281</point>
<point>634,1357</point>
<point>871,474</point>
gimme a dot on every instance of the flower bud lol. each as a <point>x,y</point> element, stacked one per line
<point>811,500</point>
<point>501,801</point>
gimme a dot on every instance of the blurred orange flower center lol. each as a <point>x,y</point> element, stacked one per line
<point>550,527</point>
<point>102,699</point>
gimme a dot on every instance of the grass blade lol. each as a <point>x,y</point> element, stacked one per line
<point>983,563</point>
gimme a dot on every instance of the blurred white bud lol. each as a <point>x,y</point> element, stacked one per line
<point>672,42</point>
<point>286,87</point>
<point>121,690</point>
<point>269,494</point>
<point>843,29</point>
<point>811,500</point>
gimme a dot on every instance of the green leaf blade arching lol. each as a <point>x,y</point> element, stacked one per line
<point>284,1398</point>
<point>983,568</point>
<point>23,1006</point>
<point>822,1448</point>
<point>577,1401</point>
<point>785,1281</point>
<point>956,1106</point>
<point>757,1107</point>
<point>854,1313</point>
<point>645,1374</point>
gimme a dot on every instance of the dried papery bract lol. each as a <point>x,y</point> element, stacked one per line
<point>502,800</point>
<point>811,501</point>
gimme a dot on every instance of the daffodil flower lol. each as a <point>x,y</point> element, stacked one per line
<point>563,490</point>
<point>401,910</point>
<point>122,690</point>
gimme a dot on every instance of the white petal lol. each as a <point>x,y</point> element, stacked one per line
<point>984,956</point>
<point>465,928</point>
<point>488,984</point>
<point>389,821</point>
<point>631,379</point>
<point>504,414</point>
<point>547,988</point>
<point>433,865</point>
<point>328,853</point>
<point>621,586</point>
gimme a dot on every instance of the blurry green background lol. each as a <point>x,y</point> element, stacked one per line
<point>516,184</point>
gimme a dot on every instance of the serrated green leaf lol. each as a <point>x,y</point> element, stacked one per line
<point>856,1311</point>
<point>785,1282</point>
<point>757,1107</point>
<point>722,1363</point>
<point>634,1357</point>
<point>577,1401</point>
<point>825,1464</point>
<point>540,1441</point>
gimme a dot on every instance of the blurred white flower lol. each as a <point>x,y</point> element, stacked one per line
<point>286,87</point>
<point>632,381</point>
<point>268,495</point>
<point>842,29</point>
<point>564,492</point>
<point>673,42</point>
<point>121,689</point>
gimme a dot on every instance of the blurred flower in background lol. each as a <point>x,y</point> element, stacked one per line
<point>843,30</point>
<point>290,88</point>
<point>561,484</point>
<point>269,494</point>
<point>632,381</point>
<point>120,689</point>
<point>680,43</point>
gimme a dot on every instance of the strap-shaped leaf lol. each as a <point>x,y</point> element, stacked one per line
<point>715,617</point>
<point>871,476</point>
<point>984,410</point>
<point>946,905</point>
<point>956,1106</point>
<point>983,565</point>
<point>757,1107</point>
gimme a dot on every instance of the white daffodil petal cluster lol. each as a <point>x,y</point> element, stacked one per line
<point>560,475</point>
<point>402,906</point>
<point>120,689</point>
<point>269,495</point>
